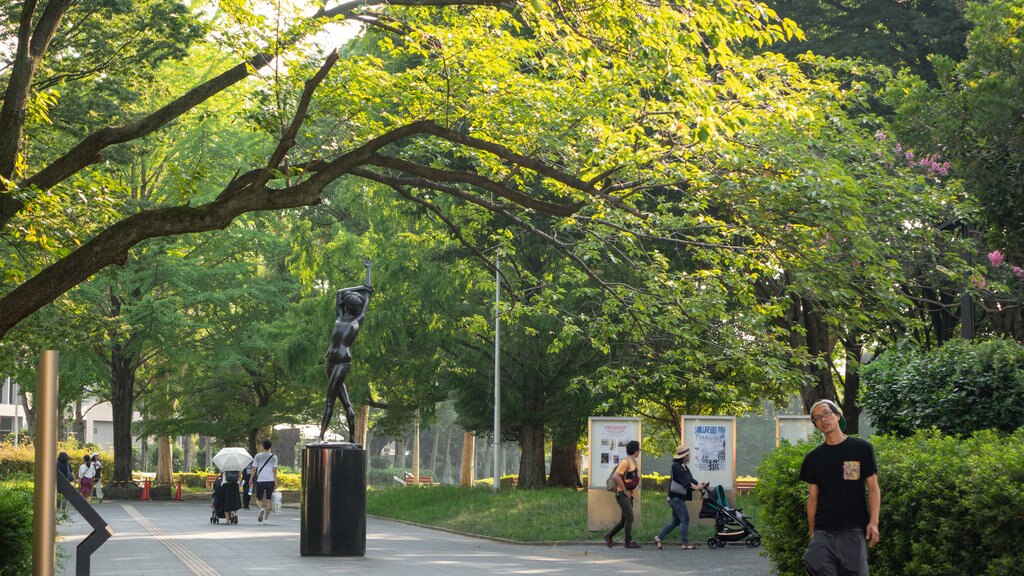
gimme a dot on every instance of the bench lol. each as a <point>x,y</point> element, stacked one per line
<point>210,479</point>
<point>745,486</point>
<point>424,481</point>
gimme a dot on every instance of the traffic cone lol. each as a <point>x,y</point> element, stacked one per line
<point>177,494</point>
<point>145,490</point>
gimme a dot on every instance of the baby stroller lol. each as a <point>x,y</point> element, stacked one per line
<point>227,498</point>
<point>730,523</point>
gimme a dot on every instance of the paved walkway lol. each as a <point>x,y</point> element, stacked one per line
<point>177,539</point>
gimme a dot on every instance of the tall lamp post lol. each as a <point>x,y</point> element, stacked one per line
<point>497,373</point>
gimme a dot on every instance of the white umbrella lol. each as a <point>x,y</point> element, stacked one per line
<point>232,459</point>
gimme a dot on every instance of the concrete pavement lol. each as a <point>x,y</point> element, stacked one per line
<point>177,539</point>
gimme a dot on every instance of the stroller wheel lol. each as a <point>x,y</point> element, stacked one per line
<point>712,543</point>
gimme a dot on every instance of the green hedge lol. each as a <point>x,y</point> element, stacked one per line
<point>16,527</point>
<point>950,506</point>
<point>21,459</point>
<point>959,388</point>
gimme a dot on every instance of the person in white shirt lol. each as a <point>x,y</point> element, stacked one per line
<point>264,474</point>
<point>86,475</point>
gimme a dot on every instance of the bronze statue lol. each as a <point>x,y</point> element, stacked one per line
<point>351,306</point>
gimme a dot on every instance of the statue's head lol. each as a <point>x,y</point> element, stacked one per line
<point>353,303</point>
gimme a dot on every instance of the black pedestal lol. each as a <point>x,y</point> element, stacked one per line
<point>333,500</point>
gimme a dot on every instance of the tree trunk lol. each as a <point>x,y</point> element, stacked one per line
<point>30,416</point>
<point>186,448</point>
<point>79,425</point>
<point>122,397</point>
<point>564,465</point>
<point>435,444</point>
<point>362,424</point>
<point>468,465</point>
<point>851,388</point>
<point>531,463</point>
<point>164,460</point>
<point>819,347</point>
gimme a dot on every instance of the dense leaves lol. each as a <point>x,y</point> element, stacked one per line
<point>959,388</point>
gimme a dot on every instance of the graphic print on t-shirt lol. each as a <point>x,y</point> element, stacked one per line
<point>851,470</point>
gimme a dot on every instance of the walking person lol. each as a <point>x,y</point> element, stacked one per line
<point>97,485</point>
<point>680,491</point>
<point>64,469</point>
<point>86,475</point>
<point>627,478</point>
<point>246,487</point>
<point>264,473</point>
<point>842,523</point>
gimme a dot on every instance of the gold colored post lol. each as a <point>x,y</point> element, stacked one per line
<point>44,521</point>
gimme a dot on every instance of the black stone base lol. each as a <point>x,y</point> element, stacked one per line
<point>333,500</point>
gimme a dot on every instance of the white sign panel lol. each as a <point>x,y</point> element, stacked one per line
<point>793,428</point>
<point>712,442</point>
<point>608,439</point>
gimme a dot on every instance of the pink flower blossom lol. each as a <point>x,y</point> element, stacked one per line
<point>1018,272</point>
<point>996,258</point>
<point>899,147</point>
<point>908,155</point>
<point>880,136</point>
<point>978,282</point>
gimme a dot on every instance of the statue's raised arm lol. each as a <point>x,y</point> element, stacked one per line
<point>367,263</point>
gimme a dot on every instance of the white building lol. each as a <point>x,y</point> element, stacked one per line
<point>12,415</point>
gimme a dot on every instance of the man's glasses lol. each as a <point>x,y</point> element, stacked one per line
<point>820,417</point>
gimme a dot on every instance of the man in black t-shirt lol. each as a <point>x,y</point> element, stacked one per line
<point>841,522</point>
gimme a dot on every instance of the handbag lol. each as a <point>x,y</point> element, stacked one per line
<point>677,488</point>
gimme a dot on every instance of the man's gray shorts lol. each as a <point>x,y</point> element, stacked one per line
<point>837,553</point>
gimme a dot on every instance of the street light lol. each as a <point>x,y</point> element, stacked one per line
<point>497,372</point>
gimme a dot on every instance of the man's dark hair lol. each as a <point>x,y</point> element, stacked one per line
<point>266,444</point>
<point>632,447</point>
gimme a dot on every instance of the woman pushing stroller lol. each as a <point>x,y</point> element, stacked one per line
<point>227,498</point>
<point>680,490</point>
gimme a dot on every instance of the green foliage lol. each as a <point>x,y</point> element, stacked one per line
<point>949,505</point>
<point>959,388</point>
<point>783,498</point>
<point>21,459</point>
<point>15,525</point>
<point>975,116</point>
<point>896,34</point>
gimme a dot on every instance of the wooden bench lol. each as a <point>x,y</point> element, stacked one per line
<point>210,479</point>
<point>745,486</point>
<point>424,481</point>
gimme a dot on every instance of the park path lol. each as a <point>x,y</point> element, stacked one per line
<point>177,539</point>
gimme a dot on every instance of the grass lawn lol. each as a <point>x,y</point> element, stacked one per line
<point>550,514</point>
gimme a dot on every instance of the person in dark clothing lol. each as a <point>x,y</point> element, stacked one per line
<point>681,487</point>
<point>246,487</point>
<point>839,519</point>
<point>627,478</point>
<point>64,469</point>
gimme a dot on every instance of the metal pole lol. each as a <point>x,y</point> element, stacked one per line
<point>44,521</point>
<point>416,453</point>
<point>497,374</point>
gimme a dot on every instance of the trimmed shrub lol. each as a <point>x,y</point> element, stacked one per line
<point>959,388</point>
<point>16,527</point>
<point>949,505</point>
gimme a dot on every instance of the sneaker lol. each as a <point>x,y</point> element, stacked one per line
<point>657,542</point>
<point>632,544</point>
<point>260,517</point>
<point>608,541</point>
